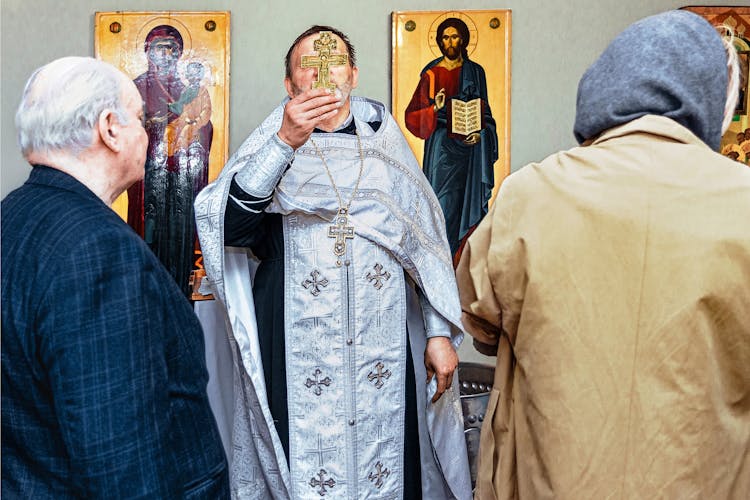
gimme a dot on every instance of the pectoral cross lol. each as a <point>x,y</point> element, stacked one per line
<point>341,232</point>
<point>323,46</point>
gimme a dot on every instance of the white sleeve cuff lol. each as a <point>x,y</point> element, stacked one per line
<point>263,168</point>
<point>433,322</point>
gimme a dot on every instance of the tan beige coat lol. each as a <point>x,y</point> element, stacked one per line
<point>620,275</point>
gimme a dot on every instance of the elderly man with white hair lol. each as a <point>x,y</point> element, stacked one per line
<point>103,370</point>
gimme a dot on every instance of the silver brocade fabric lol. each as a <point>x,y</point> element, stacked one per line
<point>346,336</point>
<point>346,360</point>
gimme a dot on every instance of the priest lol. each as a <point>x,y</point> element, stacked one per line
<point>326,245</point>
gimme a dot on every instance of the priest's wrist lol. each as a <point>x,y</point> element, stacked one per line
<point>437,339</point>
<point>262,170</point>
<point>294,139</point>
<point>289,142</point>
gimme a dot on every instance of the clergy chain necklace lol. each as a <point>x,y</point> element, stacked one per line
<point>340,230</point>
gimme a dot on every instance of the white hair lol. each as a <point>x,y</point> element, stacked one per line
<point>733,70</point>
<point>58,112</point>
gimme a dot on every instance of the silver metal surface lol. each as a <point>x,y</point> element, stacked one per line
<point>476,384</point>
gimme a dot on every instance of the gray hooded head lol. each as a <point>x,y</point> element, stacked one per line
<point>671,64</point>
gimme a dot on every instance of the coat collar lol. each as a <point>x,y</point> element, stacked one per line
<point>42,175</point>
<point>653,125</point>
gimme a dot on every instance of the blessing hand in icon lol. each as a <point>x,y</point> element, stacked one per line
<point>440,100</point>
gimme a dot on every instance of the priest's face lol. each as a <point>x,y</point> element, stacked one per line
<point>343,76</point>
<point>451,43</point>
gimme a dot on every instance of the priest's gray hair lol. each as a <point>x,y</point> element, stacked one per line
<point>61,104</point>
<point>733,87</point>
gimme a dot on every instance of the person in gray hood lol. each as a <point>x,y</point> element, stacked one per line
<point>612,282</point>
<point>672,65</point>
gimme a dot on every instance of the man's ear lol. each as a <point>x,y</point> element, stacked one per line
<point>355,77</point>
<point>289,87</point>
<point>109,130</point>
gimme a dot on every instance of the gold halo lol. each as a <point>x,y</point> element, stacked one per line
<point>187,41</point>
<point>473,33</point>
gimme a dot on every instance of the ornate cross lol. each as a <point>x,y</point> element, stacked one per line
<point>341,232</point>
<point>323,46</point>
<point>317,382</point>
<point>380,375</point>
<point>379,474</point>
<point>379,277</point>
<point>316,283</point>
<point>328,483</point>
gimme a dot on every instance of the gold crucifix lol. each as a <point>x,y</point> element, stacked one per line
<point>341,232</point>
<point>323,46</point>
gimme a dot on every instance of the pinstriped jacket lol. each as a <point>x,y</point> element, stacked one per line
<point>103,370</point>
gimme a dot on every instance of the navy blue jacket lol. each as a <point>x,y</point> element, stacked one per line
<point>103,369</point>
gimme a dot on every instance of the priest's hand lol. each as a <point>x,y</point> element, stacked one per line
<point>304,112</point>
<point>441,360</point>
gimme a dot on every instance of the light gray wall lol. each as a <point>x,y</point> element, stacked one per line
<point>553,41</point>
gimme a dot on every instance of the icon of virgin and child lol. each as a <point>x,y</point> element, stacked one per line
<point>178,123</point>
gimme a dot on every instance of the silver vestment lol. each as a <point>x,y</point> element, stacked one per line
<point>346,325</point>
